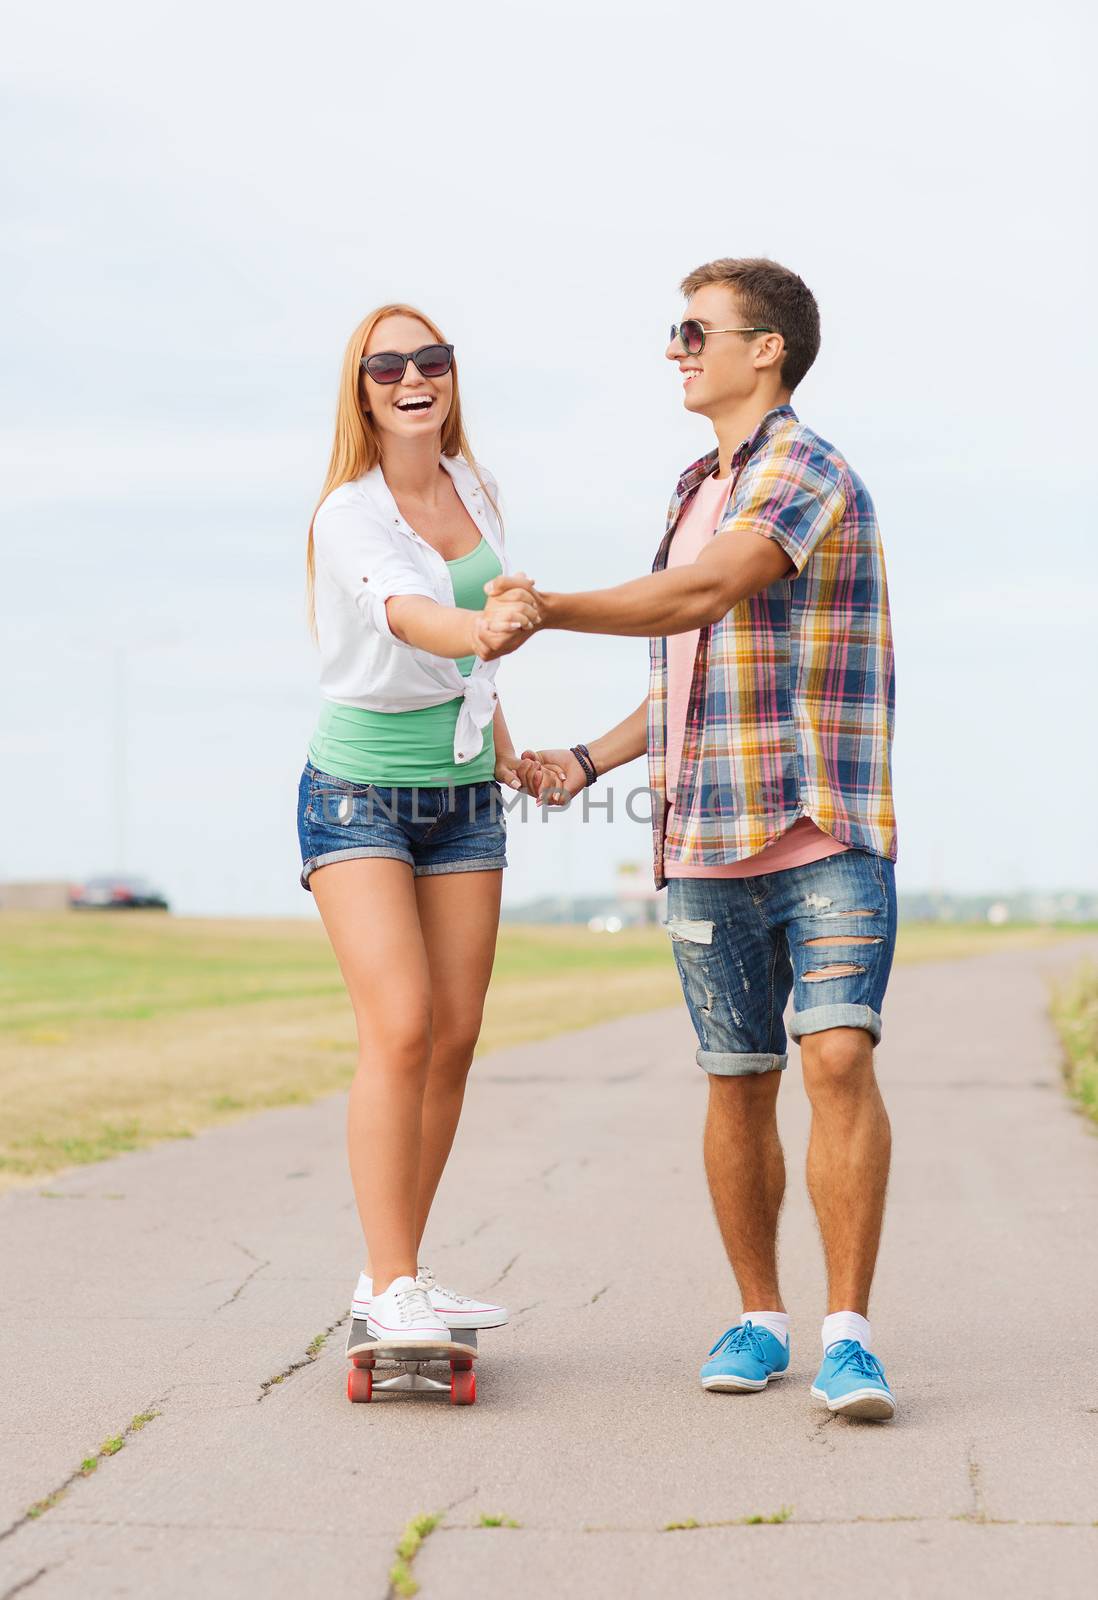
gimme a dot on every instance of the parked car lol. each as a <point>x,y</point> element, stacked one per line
<point>117,892</point>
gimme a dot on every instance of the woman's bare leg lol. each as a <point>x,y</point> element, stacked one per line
<point>370,912</point>
<point>459,917</point>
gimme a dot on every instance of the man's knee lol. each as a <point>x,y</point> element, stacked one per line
<point>837,1060</point>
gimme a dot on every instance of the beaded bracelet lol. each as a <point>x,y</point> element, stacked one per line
<point>583,756</point>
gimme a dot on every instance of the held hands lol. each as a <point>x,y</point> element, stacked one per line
<point>511,614</point>
<point>526,772</point>
<point>562,777</point>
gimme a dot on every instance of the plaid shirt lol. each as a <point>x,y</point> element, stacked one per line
<point>792,703</point>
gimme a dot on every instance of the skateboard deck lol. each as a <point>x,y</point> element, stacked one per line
<point>367,1354</point>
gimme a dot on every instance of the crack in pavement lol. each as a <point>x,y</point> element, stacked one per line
<point>87,1469</point>
<point>456,1244</point>
<point>307,1360</point>
<point>239,1290</point>
<point>505,1271</point>
<point>827,1522</point>
<point>516,1316</point>
<point>818,1434</point>
<point>400,1578</point>
<point>25,1583</point>
<point>979,1510</point>
<point>531,1527</point>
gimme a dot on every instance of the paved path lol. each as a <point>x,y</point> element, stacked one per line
<point>183,1279</point>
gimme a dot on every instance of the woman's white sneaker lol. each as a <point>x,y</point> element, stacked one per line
<point>458,1310</point>
<point>362,1299</point>
<point>404,1313</point>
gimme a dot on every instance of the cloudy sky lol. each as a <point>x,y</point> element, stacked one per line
<point>202,200</point>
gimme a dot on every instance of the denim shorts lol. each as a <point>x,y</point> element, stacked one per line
<point>742,945</point>
<point>459,829</point>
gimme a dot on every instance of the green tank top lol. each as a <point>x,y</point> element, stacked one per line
<point>410,749</point>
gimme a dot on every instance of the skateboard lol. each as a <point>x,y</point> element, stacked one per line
<point>367,1354</point>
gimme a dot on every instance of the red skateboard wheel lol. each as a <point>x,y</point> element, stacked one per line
<point>360,1384</point>
<point>463,1385</point>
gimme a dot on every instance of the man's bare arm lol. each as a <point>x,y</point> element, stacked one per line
<point>733,566</point>
<point>623,743</point>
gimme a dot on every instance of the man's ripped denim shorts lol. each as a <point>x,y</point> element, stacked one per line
<point>742,945</point>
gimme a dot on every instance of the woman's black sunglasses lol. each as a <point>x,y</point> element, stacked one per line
<point>389,366</point>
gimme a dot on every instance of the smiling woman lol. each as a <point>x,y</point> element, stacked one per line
<point>356,448</point>
<point>403,840</point>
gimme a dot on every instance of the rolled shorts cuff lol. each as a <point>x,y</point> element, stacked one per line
<point>376,852</point>
<point>485,864</point>
<point>739,1064</point>
<point>818,1018</point>
<point>366,852</point>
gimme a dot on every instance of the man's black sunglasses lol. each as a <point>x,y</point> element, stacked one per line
<point>389,366</point>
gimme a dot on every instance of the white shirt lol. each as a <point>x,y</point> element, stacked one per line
<point>365,553</point>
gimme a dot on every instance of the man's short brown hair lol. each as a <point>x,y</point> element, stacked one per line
<point>770,296</point>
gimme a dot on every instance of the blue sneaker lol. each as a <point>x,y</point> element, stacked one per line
<point>744,1359</point>
<point>852,1382</point>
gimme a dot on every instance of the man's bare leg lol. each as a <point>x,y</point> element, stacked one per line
<point>848,1159</point>
<point>746,1171</point>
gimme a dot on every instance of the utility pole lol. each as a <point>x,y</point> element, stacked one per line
<point>120,758</point>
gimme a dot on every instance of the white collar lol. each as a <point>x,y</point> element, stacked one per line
<point>465,481</point>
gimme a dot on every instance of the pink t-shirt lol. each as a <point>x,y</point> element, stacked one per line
<point>802,842</point>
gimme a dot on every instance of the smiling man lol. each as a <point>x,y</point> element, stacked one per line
<point>768,727</point>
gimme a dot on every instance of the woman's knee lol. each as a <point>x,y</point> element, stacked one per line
<point>452,1053</point>
<point>399,1049</point>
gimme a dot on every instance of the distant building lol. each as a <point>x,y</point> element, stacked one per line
<point>634,902</point>
<point>1028,905</point>
<point>638,900</point>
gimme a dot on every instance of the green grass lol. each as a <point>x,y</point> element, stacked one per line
<point>122,1030</point>
<point>487,1521</point>
<point>90,1464</point>
<point>757,1521</point>
<point>408,1546</point>
<point>41,1506</point>
<point>1075,1012</point>
<point>782,1515</point>
<point>65,969</point>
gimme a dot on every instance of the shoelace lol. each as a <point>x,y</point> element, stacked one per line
<point>849,1353</point>
<point>414,1305</point>
<point>427,1280</point>
<point>741,1336</point>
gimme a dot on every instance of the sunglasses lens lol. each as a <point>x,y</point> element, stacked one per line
<point>386,368</point>
<point>433,360</point>
<point>693,337</point>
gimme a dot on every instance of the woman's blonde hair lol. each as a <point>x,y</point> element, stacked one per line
<point>356,448</point>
